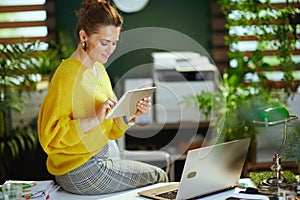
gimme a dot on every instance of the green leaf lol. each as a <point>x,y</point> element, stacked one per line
<point>2,148</point>
<point>13,147</point>
<point>257,177</point>
<point>33,141</point>
<point>20,138</point>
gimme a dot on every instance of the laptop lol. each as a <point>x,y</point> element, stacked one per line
<point>207,170</point>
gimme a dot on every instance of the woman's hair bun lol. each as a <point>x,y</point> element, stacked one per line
<point>87,4</point>
<point>95,13</point>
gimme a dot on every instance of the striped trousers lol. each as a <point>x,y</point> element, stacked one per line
<point>101,175</point>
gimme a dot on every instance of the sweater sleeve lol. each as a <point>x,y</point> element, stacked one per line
<point>118,128</point>
<point>57,127</point>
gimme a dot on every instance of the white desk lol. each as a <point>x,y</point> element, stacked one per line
<point>132,194</point>
<point>126,195</point>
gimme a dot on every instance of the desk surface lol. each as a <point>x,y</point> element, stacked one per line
<point>132,194</point>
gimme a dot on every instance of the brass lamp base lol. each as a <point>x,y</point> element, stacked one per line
<point>266,188</point>
<point>272,184</point>
<point>269,186</point>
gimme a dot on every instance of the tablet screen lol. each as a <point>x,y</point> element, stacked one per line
<point>127,103</point>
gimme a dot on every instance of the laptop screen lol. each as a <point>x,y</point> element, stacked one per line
<point>213,168</point>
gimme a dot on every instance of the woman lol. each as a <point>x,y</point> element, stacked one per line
<point>72,127</point>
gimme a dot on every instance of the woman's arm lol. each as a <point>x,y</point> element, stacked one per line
<point>89,123</point>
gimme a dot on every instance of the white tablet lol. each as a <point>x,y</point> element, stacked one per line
<point>127,103</point>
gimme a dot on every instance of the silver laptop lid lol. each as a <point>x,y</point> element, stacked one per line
<point>213,168</point>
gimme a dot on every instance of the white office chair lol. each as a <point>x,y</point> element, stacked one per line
<point>151,157</point>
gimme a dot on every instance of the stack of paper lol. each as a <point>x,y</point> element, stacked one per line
<point>38,190</point>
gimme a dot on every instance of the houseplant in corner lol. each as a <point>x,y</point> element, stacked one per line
<point>244,86</point>
<point>14,79</point>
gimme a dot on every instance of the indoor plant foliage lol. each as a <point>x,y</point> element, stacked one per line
<point>23,65</point>
<point>243,93</point>
<point>45,62</point>
<point>14,78</point>
<point>274,32</point>
<point>20,63</point>
<point>230,110</point>
<point>231,106</point>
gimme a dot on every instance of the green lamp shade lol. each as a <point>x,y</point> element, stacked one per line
<point>271,115</point>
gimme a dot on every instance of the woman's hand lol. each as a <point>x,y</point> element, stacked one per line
<point>89,123</point>
<point>104,109</point>
<point>143,106</point>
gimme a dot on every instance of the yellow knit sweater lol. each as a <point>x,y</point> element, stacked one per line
<point>75,92</point>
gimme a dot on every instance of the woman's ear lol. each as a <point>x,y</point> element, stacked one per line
<point>82,35</point>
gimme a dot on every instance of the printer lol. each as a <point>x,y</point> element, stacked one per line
<point>177,76</point>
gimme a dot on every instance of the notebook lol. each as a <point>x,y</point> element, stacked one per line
<point>206,170</point>
<point>127,103</point>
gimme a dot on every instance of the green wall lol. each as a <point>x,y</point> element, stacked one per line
<point>191,18</point>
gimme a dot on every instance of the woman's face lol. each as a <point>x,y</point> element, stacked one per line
<point>102,44</point>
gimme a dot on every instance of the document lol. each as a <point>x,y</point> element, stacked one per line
<point>38,190</point>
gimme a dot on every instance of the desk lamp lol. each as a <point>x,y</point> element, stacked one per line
<point>270,116</point>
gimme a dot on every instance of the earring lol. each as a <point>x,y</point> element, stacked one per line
<point>84,46</point>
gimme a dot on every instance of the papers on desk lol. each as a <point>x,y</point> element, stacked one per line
<point>38,190</point>
<point>247,196</point>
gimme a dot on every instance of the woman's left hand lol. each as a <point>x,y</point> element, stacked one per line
<point>143,106</point>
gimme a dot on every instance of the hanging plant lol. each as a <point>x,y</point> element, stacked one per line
<point>271,27</point>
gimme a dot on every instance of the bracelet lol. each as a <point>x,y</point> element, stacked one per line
<point>130,123</point>
<point>125,119</point>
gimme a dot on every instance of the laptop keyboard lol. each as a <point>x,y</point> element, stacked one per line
<point>169,195</point>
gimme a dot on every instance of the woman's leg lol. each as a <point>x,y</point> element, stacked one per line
<point>110,175</point>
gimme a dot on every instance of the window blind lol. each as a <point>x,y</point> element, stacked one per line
<point>28,21</point>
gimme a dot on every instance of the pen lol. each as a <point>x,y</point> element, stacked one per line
<point>25,186</point>
<point>34,195</point>
<point>39,194</point>
<point>28,185</point>
<point>27,195</point>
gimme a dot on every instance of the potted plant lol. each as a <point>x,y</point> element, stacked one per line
<point>20,63</point>
<point>14,78</point>
<point>230,107</point>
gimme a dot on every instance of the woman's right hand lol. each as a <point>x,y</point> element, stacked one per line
<point>104,109</point>
<point>89,123</point>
